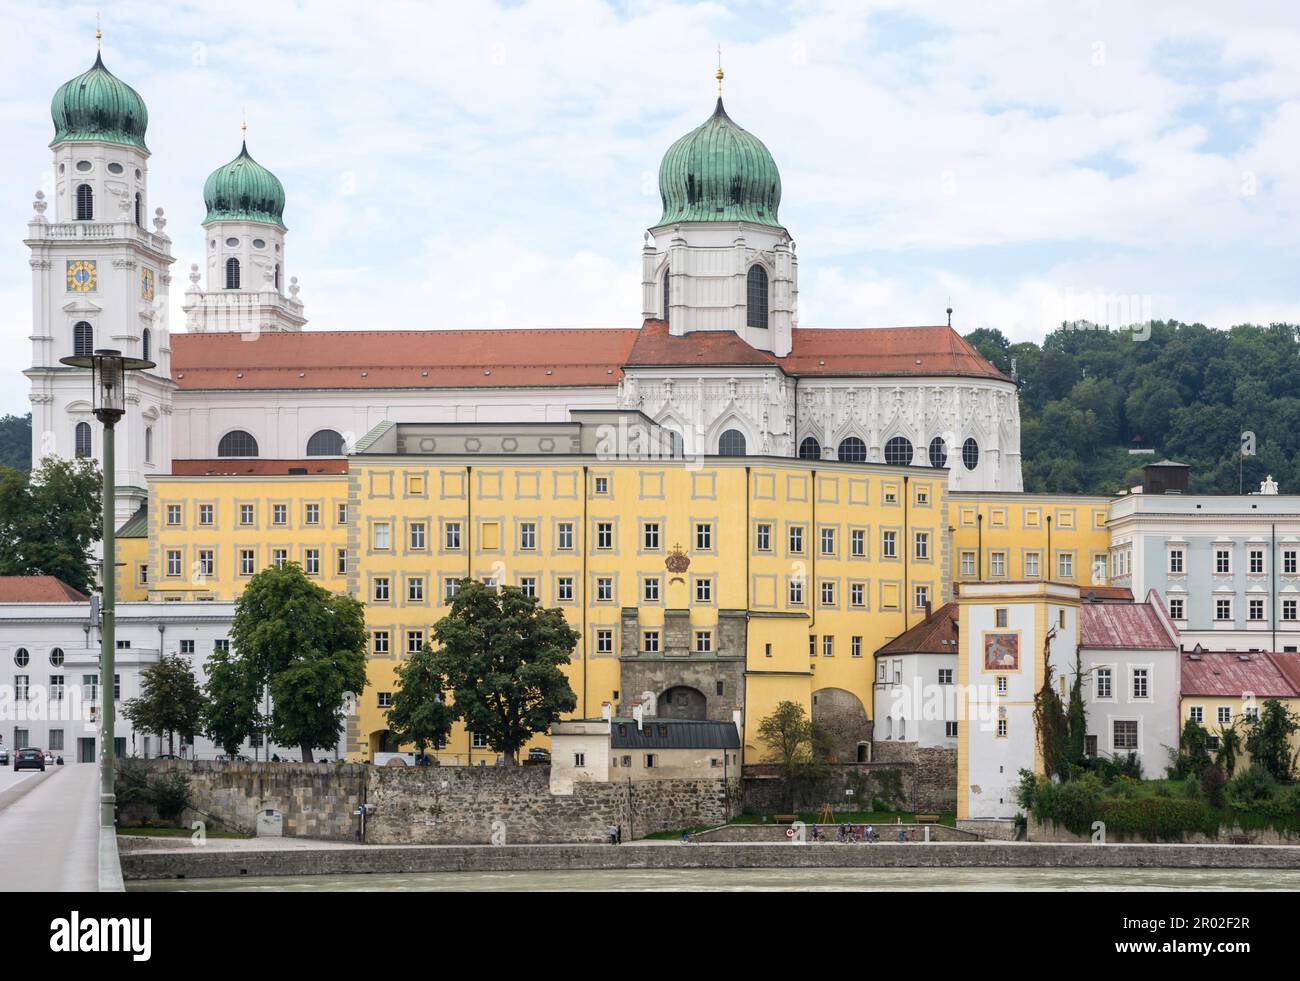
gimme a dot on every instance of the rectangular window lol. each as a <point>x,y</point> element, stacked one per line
<point>564,589</point>
<point>311,514</point>
<point>703,641</point>
<point>173,562</point>
<point>381,589</point>
<point>1065,564</point>
<point>1256,561</point>
<point>997,564</point>
<point>945,676</point>
<point>858,543</point>
<point>383,537</point>
<point>528,536</point>
<point>1288,609</point>
<point>1256,609</point>
<point>90,687</point>
<point>889,544</point>
<point>579,760</point>
<point>417,536</point>
<point>650,642</point>
<point>950,730</point>
<point>381,641</point>
<point>967,564</point>
<point>1032,565</point>
<point>564,536</point>
<point>921,551</point>
<point>1223,609</point>
<point>205,515</point>
<point>828,592</point>
<point>921,597</point>
<point>704,590</point>
<point>1176,561</point>
<point>1225,715</point>
<point>279,557</point>
<point>279,514</point>
<point>22,687</point>
<point>415,589</point>
<point>604,641</point>
<point>650,590</point>
<point>601,486</point>
<point>651,536</point>
<point>451,536</point>
<point>1222,561</point>
<point>1002,728</point>
<point>857,594</point>
<point>855,646</point>
<point>1000,617</point>
<point>796,539</point>
<point>1289,561</point>
<point>245,561</point>
<point>828,541</point>
<point>528,586</point>
<point>764,538</point>
<point>56,688</point>
<point>206,561</point>
<point>1002,684</point>
<point>1176,609</point>
<point>1125,735</point>
<point>311,561</point>
<point>796,592</point>
<point>1140,683</point>
<point>246,514</point>
<point>605,589</point>
<point>828,645</point>
<point>649,761</point>
<point>341,562</point>
<point>173,514</point>
<point>414,641</point>
<point>341,514</point>
<point>605,534</point>
<point>450,587</point>
<point>1103,683</point>
<point>703,536</point>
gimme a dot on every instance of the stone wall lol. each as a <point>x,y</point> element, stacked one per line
<point>442,804</point>
<point>922,780</point>
<point>1038,831</point>
<point>842,719</point>
<point>935,778</point>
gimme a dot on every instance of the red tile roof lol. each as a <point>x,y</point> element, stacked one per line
<point>257,467</point>
<point>1228,674</point>
<point>1107,594</point>
<point>400,358</point>
<point>38,589</point>
<point>1123,626</point>
<point>936,634</point>
<point>545,357</point>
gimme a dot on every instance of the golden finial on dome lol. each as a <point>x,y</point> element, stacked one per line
<point>718,73</point>
<point>99,33</point>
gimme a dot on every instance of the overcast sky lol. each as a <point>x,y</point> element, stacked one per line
<point>494,165</point>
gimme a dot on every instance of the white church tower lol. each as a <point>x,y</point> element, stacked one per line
<point>244,249</point>
<point>100,280</point>
<point>719,258</point>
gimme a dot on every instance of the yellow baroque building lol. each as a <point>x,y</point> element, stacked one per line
<point>1018,537</point>
<point>712,585</point>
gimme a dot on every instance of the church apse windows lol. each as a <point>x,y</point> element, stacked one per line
<point>810,449</point>
<point>325,442</point>
<point>938,453</point>
<point>236,443</point>
<point>970,454</point>
<point>852,450</point>
<point>898,452</point>
<point>731,443</point>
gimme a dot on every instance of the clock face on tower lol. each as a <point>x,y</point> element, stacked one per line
<point>146,285</point>
<point>81,275</point>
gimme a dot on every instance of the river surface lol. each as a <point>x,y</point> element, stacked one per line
<point>759,880</point>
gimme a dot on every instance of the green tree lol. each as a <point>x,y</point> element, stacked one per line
<point>795,744</point>
<point>230,714</point>
<point>501,654</point>
<point>1193,752</point>
<point>1076,715</point>
<point>308,646</point>
<point>49,519</point>
<point>1229,749</point>
<point>420,713</point>
<point>169,701</point>
<point>1268,740</point>
<point>16,442</point>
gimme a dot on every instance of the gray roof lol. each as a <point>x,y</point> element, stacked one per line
<point>673,734</point>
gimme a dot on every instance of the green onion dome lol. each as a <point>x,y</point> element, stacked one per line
<point>244,190</point>
<point>719,172</point>
<point>97,105</point>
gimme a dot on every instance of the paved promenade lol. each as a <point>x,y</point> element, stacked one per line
<point>49,831</point>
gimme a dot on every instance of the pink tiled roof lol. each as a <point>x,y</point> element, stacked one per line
<point>1229,674</point>
<point>1123,626</point>
<point>38,589</point>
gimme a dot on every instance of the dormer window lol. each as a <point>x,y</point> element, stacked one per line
<point>756,295</point>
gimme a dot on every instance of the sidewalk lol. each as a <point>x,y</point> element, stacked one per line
<point>49,837</point>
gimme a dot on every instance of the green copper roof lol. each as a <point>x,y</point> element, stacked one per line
<point>244,190</point>
<point>719,172</point>
<point>97,105</point>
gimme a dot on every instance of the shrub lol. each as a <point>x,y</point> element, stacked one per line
<point>1158,818</point>
<point>170,794</point>
<point>1026,791</point>
<point>1251,786</point>
<point>1073,804</point>
<point>1212,783</point>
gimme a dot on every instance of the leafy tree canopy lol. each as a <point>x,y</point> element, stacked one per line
<point>169,701</point>
<point>49,519</point>
<point>16,442</point>
<point>420,713</point>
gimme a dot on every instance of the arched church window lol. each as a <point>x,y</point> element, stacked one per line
<point>237,443</point>
<point>146,338</point>
<point>667,276</point>
<point>139,210</point>
<point>148,444</point>
<point>756,297</point>
<point>852,450</point>
<point>731,443</point>
<point>938,452</point>
<point>85,203</point>
<point>898,451</point>
<point>325,442</point>
<point>970,454</point>
<point>232,273</point>
<point>82,439</point>
<point>83,339</point>
<point>810,449</point>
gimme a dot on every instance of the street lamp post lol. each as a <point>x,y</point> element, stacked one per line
<point>108,378</point>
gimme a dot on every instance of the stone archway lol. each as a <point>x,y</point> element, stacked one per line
<point>683,702</point>
<point>842,717</point>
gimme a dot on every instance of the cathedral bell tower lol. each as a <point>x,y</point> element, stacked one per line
<point>244,251</point>
<point>719,259</point>
<point>100,280</point>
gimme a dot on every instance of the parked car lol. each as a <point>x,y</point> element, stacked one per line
<point>4,756</point>
<point>29,759</point>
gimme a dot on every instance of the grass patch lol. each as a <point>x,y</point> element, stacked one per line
<point>155,831</point>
